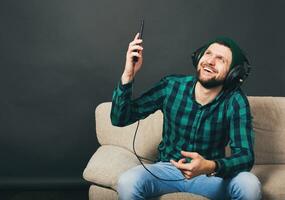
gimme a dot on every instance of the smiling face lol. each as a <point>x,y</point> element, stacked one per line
<point>214,65</point>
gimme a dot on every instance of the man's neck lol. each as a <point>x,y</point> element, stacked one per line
<point>204,95</point>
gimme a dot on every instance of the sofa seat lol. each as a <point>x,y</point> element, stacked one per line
<point>106,174</point>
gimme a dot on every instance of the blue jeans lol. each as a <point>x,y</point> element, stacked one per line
<point>137,183</point>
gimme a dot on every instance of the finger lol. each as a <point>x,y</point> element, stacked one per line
<point>182,166</point>
<point>135,42</point>
<point>186,172</point>
<point>189,168</point>
<point>174,162</point>
<point>137,36</point>
<point>189,154</point>
<point>135,54</point>
<point>187,175</point>
<point>136,48</point>
<point>181,161</point>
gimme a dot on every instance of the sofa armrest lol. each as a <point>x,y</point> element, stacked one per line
<point>148,135</point>
<point>106,165</point>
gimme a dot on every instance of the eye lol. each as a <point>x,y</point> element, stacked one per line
<point>207,52</point>
<point>221,59</point>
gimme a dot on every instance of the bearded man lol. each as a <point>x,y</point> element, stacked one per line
<point>201,115</point>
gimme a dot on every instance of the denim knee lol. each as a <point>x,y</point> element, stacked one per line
<point>245,186</point>
<point>129,185</point>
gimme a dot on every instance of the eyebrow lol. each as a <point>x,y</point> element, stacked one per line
<point>218,55</point>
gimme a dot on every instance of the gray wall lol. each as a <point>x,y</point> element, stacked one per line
<point>60,58</point>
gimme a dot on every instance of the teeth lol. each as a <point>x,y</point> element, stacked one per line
<point>208,69</point>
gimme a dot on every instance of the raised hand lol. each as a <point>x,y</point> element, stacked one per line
<point>131,68</point>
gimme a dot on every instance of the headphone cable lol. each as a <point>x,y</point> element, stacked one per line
<point>139,158</point>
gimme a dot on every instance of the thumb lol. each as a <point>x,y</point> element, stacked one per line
<point>137,36</point>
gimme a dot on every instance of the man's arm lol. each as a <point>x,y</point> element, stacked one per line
<point>125,110</point>
<point>241,139</point>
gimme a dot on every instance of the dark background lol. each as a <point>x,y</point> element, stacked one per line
<point>60,58</point>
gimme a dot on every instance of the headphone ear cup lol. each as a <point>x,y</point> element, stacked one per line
<point>235,76</point>
<point>196,55</point>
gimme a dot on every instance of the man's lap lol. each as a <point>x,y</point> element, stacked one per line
<point>139,181</point>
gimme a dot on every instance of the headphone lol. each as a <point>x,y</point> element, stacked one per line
<point>236,75</point>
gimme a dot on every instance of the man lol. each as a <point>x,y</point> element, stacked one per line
<point>202,114</point>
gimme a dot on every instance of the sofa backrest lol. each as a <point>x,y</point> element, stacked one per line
<point>268,123</point>
<point>269,127</point>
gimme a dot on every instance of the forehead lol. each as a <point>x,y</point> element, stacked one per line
<point>221,50</point>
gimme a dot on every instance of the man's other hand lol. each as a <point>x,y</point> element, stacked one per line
<point>196,167</point>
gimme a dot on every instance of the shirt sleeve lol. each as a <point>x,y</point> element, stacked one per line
<point>241,140</point>
<point>126,111</point>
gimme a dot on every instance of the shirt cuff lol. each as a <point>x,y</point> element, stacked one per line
<point>220,170</point>
<point>127,86</point>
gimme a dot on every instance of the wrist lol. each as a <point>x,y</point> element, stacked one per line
<point>212,168</point>
<point>126,78</point>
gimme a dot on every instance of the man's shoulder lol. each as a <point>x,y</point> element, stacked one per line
<point>180,78</point>
<point>238,98</point>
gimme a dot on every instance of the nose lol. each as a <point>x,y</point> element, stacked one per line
<point>211,60</point>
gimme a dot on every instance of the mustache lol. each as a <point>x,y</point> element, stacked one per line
<point>210,67</point>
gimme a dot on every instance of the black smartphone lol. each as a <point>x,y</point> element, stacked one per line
<point>141,29</point>
<point>135,59</point>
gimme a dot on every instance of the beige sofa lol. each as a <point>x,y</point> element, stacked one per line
<point>115,155</point>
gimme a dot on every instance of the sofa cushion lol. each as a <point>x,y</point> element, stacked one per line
<point>107,163</point>
<point>101,193</point>
<point>180,196</point>
<point>272,180</point>
<point>148,134</point>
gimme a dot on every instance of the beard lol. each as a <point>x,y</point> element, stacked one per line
<point>210,83</point>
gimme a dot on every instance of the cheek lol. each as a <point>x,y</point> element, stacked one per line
<point>224,71</point>
<point>199,64</point>
<point>202,59</point>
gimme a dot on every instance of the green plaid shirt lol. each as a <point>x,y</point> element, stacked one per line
<point>189,126</point>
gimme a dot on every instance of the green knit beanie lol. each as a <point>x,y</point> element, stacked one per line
<point>238,56</point>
